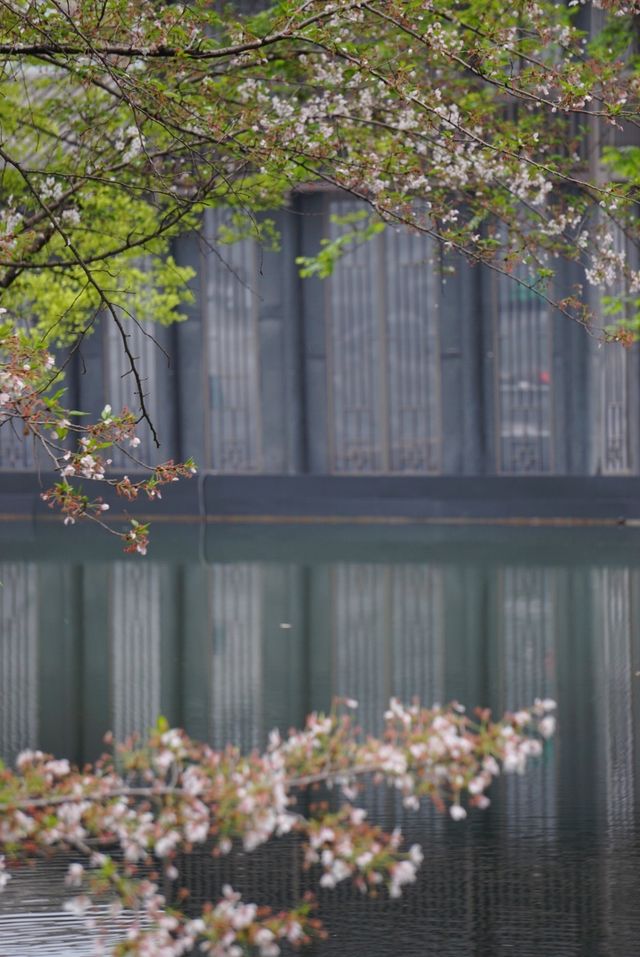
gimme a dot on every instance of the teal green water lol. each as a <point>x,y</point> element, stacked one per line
<point>232,631</point>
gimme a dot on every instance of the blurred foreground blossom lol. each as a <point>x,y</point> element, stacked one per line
<point>153,801</point>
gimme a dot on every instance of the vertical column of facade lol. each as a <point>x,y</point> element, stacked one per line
<point>461,334</point>
<point>18,658</point>
<point>279,349</point>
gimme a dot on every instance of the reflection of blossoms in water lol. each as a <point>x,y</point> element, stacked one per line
<point>4,876</point>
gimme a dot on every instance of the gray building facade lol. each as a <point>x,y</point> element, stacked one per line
<point>402,363</point>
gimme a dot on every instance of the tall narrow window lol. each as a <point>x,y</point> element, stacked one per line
<point>616,369</point>
<point>16,451</point>
<point>383,355</point>
<point>524,382</point>
<point>230,316</point>
<point>121,387</point>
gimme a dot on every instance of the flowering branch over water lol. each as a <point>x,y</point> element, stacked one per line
<point>75,449</point>
<point>151,802</point>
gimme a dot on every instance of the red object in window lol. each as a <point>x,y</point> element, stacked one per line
<point>544,377</point>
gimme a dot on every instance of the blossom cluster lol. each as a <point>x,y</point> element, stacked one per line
<point>75,450</point>
<point>153,801</point>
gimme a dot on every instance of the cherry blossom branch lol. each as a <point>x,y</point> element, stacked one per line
<point>155,800</point>
<point>76,451</point>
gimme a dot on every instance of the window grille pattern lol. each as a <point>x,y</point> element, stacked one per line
<point>527,617</point>
<point>235,597</point>
<point>615,368</point>
<point>524,383</point>
<point>383,355</point>
<point>614,383</point>
<point>230,316</point>
<point>135,640</point>
<point>121,389</point>
<point>16,451</point>
<point>18,658</point>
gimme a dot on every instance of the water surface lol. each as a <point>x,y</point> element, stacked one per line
<point>230,632</point>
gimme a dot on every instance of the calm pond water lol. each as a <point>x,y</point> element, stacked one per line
<point>232,631</point>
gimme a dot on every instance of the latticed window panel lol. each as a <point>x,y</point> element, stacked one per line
<point>383,350</point>
<point>235,615</point>
<point>230,316</point>
<point>523,378</point>
<point>18,658</point>
<point>121,387</point>
<point>135,643</point>
<point>617,373</point>
<point>16,450</point>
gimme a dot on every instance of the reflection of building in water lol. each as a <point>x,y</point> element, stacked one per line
<point>527,616</point>
<point>614,731</point>
<point>18,657</point>
<point>615,597</point>
<point>387,639</point>
<point>231,650</point>
<point>235,609</point>
<point>387,635</point>
<point>135,643</point>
